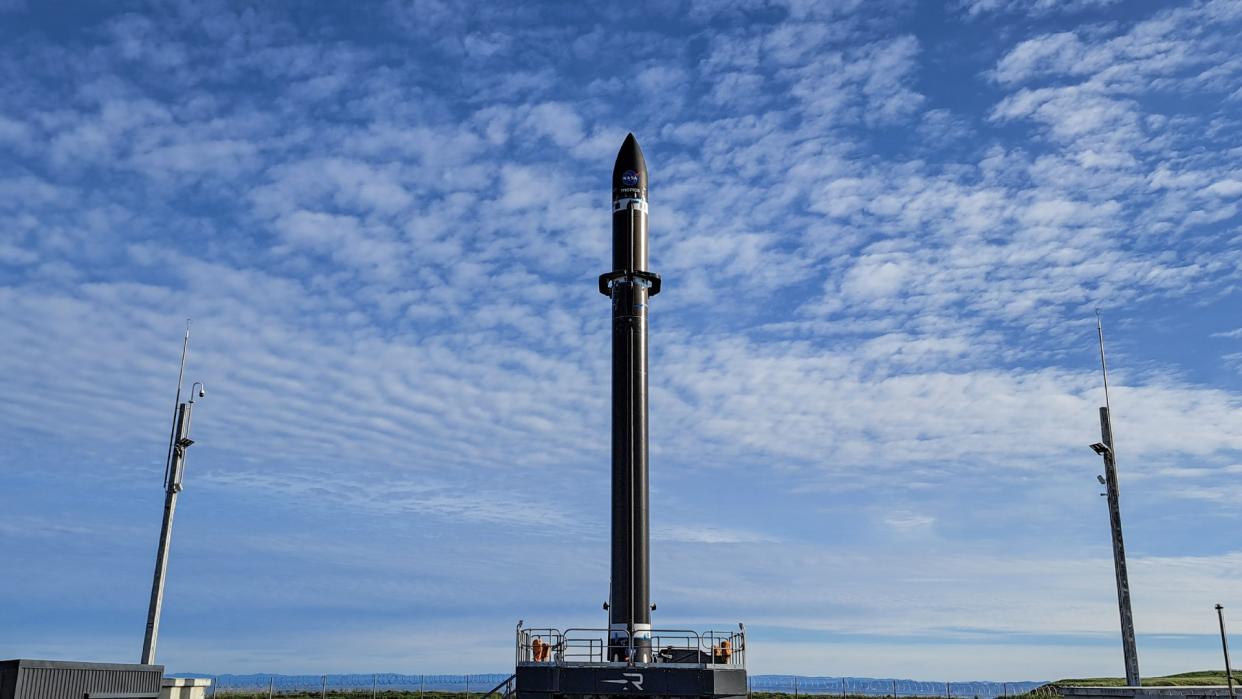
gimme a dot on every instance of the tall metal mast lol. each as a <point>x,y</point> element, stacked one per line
<point>1224,645</point>
<point>174,469</point>
<point>1109,452</point>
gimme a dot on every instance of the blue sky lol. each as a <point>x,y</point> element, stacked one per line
<point>883,228</point>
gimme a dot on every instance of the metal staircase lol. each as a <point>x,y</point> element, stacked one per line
<point>504,690</point>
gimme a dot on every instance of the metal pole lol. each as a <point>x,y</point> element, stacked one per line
<point>156,605</point>
<point>372,686</point>
<point>172,486</point>
<point>172,430</point>
<point>323,689</point>
<point>1099,331</point>
<point>894,689</point>
<point>1224,644</point>
<point>420,687</point>
<point>1128,646</point>
<point>170,503</point>
<point>467,686</point>
<point>271,686</point>
<point>947,693</point>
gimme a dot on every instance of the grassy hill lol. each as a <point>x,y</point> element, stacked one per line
<point>1202,677</point>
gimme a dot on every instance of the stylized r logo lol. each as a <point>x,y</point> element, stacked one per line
<point>631,678</point>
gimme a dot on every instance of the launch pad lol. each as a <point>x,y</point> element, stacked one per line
<point>554,664</point>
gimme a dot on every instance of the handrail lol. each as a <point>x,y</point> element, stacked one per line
<point>590,645</point>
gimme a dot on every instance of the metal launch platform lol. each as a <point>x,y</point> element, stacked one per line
<point>555,664</point>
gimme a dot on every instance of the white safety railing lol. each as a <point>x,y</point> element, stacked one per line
<point>577,646</point>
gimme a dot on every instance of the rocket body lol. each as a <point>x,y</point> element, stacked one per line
<point>688,665</point>
<point>629,285</point>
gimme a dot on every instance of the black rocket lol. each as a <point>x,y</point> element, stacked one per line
<point>634,661</point>
<point>630,285</point>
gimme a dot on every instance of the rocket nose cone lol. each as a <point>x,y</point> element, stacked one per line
<point>630,170</point>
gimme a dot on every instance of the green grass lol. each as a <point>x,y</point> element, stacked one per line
<point>1185,679</point>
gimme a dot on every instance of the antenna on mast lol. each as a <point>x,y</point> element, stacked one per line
<point>172,433</point>
<point>1099,331</point>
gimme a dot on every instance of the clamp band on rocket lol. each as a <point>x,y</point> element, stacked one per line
<point>632,658</point>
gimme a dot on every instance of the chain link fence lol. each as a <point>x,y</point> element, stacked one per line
<point>859,687</point>
<point>361,686</point>
<point>354,686</point>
